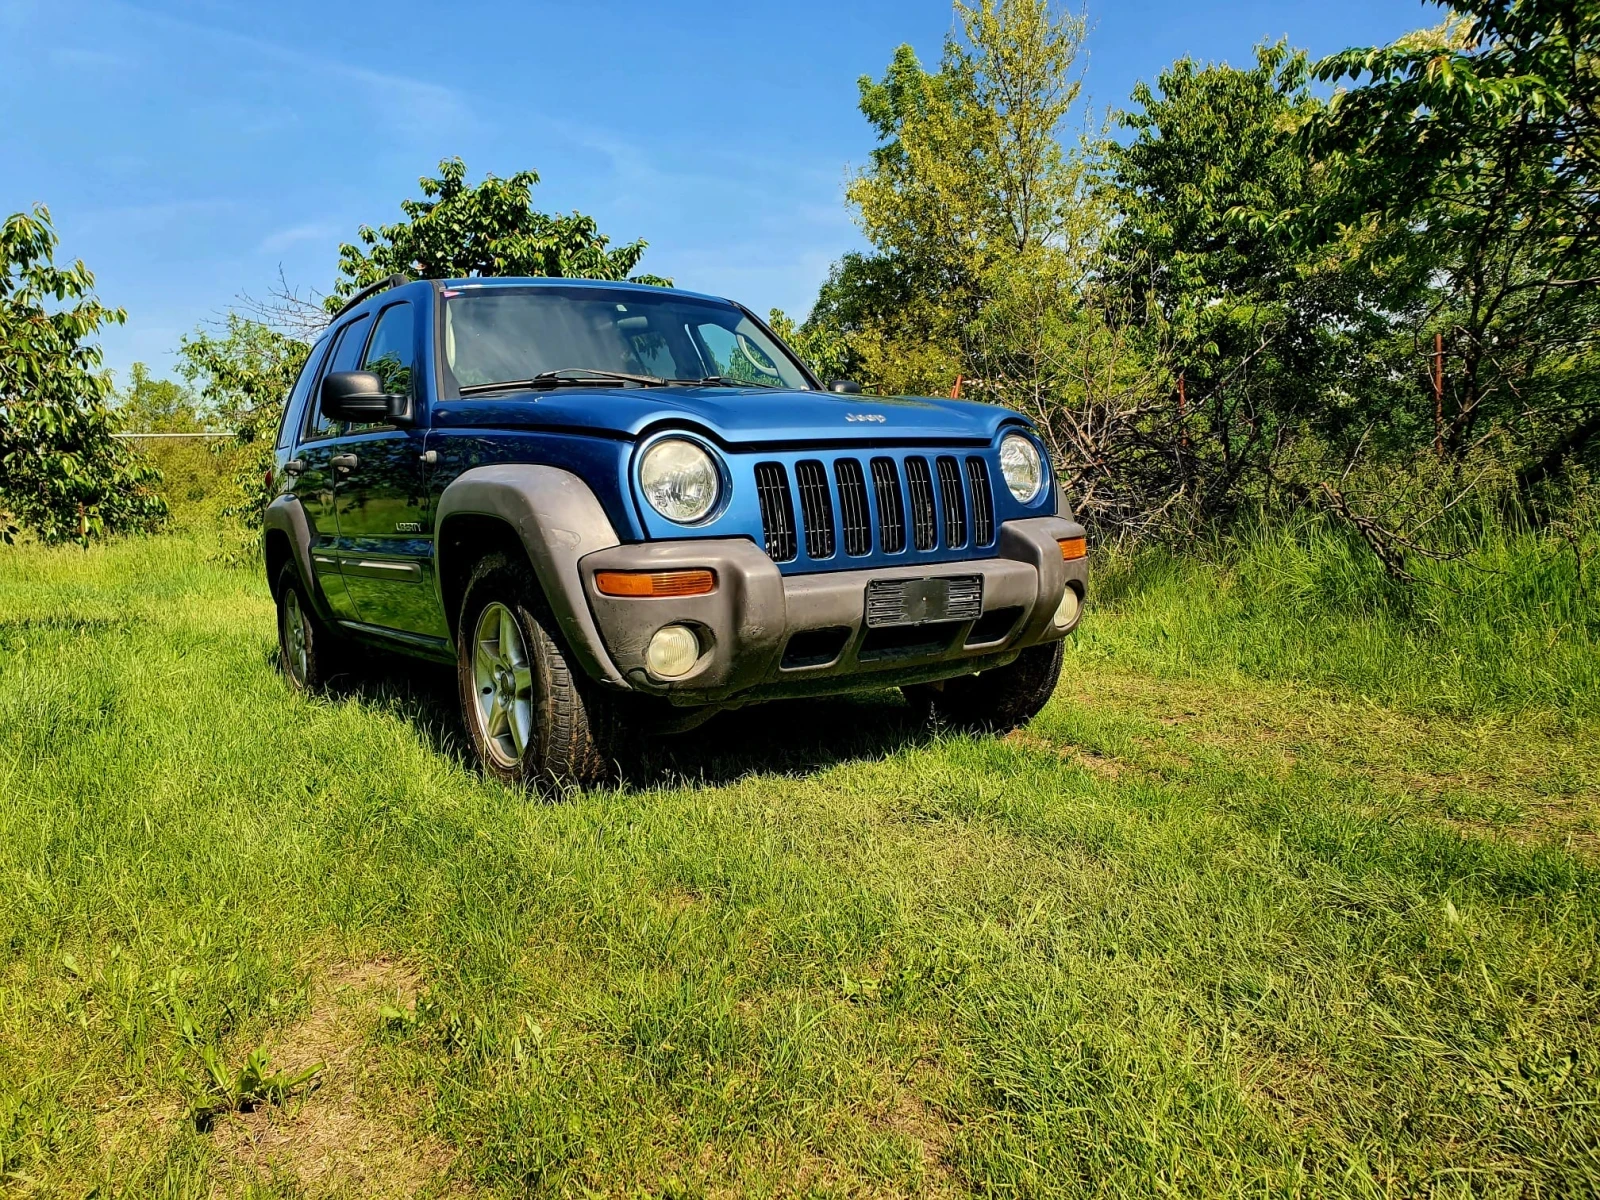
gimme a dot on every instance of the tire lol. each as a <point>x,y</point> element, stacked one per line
<point>310,654</point>
<point>535,719</point>
<point>995,701</point>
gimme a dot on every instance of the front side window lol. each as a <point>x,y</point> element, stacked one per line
<point>345,355</point>
<point>505,335</point>
<point>392,348</point>
<point>294,407</point>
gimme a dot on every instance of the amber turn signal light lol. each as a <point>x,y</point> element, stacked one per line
<point>1072,548</point>
<point>655,583</point>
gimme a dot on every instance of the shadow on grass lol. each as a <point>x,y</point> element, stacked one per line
<point>784,737</point>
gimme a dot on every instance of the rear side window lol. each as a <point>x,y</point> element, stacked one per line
<point>294,407</point>
<point>344,356</point>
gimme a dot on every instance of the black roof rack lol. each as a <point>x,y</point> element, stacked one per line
<point>372,289</point>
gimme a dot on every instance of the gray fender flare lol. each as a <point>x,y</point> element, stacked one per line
<point>286,515</point>
<point>558,521</point>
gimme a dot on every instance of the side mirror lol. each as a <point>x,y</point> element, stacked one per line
<point>848,387</point>
<point>359,396</point>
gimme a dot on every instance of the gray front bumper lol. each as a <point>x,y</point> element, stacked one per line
<point>746,624</point>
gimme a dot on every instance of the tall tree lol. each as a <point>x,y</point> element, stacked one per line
<point>243,376</point>
<point>62,473</point>
<point>457,231</point>
<point>985,233</point>
<point>1465,160</point>
<point>969,195</point>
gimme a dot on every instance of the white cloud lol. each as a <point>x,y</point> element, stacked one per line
<point>312,231</point>
<point>410,106</point>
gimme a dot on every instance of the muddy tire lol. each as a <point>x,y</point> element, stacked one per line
<point>310,654</point>
<point>995,701</point>
<point>535,719</point>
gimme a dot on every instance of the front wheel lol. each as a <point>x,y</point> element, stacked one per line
<point>309,653</point>
<point>998,700</point>
<point>535,719</point>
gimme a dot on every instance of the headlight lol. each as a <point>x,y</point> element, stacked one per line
<point>1021,467</point>
<point>679,480</point>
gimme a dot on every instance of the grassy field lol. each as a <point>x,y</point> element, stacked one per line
<point>1287,892</point>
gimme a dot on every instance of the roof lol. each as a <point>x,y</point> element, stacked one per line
<point>561,281</point>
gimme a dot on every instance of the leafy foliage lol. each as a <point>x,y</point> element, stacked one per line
<point>1466,160</point>
<point>151,405</point>
<point>969,196</point>
<point>62,473</point>
<point>986,276</point>
<point>1371,306</point>
<point>244,376</point>
<point>821,346</point>
<point>457,231</point>
<point>243,1090</point>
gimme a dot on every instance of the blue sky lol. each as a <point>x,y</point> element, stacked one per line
<point>187,150</point>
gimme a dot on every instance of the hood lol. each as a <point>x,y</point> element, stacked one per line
<point>736,417</point>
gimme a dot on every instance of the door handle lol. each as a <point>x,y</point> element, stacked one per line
<point>294,466</point>
<point>345,462</point>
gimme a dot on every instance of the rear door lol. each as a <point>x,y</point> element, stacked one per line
<point>319,446</point>
<point>385,532</point>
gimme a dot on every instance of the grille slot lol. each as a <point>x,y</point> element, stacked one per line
<point>924,519</point>
<point>777,511</point>
<point>816,509</point>
<point>982,502</point>
<point>954,503</point>
<point>891,512</point>
<point>853,506</point>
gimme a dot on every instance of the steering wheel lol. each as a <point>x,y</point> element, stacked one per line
<point>756,357</point>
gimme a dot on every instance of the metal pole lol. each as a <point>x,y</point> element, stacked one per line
<point>1183,412</point>
<point>1438,395</point>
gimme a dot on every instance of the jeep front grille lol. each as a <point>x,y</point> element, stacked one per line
<point>955,504</point>
<point>931,506</point>
<point>777,510</point>
<point>924,521</point>
<point>816,509</point>
<point>891,516</point>
<point>853,502</point>
<point>982,502</point>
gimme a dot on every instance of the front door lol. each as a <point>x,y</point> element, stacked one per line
<point>322,459</point>
<point>384,519</point>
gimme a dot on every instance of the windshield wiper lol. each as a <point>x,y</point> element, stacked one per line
<point>563,377</point>
<point>721,381</point>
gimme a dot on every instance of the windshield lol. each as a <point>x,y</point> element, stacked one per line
<point>502,334</point>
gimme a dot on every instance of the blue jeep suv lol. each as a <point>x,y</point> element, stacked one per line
<point>618,509</point>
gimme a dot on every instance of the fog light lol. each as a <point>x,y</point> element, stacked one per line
<point>672,652</point>
<point>1067,610</point>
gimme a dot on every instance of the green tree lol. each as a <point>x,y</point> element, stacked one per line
<point>969,196</point>
<point>150,405</point>
<point>1464,162</point>
<point>457,231</point>
<point>62,473</point>
<point>985,265</point>
<point>1258,326</point>
<point>243,376</point>
<point>821,346</point>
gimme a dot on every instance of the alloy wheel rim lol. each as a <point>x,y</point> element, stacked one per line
<point>295,642</point>
<point>502,684</point>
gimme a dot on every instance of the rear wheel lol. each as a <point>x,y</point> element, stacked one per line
<point>309,653</point>
<point>535,719</point>
<point>998,700</point>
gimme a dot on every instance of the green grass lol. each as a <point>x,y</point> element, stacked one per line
<point>1511,626</point>
<point>1304,905</point>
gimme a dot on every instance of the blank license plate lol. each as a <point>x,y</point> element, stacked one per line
<point>924,601</point>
